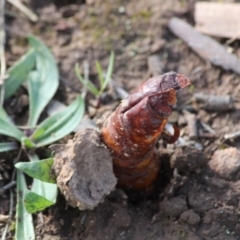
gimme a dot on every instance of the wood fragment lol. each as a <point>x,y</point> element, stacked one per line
<point>207,128</point>
<point>192,124</point>
<point>232,135</point>
<point>7,186</point>
<point>206,47</point>
<point>216,103</point>
<point>218,19</point>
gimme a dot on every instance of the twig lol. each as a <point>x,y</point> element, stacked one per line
<point>7,186</point>
<point>5,231</point>
<point>208,128</point>
<point>206,47</point>
<point>232,135</point>
<point>215,103</point>
<point>11,196</point>
<point>2,53</point>
<point>31,15</point>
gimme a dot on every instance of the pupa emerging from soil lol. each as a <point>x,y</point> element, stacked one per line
<point>125,146</point>
<point>132,131</point>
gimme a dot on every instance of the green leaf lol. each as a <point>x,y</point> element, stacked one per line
<point>44,189</point>
<point>18,72</point>
<point>3,114</point>
<point>7,128</point>
<point>47,192</point>
<point>7,146</point>
<point>100,74</point>
<point>10,130</point>
<point>89,85</point>
<point>109,71</point>
<point>35,203</point>
<point>60,124</point>
<point>27,143</point>
<point>41,170</point>
<point>24,222</point>
<point>42,82</point>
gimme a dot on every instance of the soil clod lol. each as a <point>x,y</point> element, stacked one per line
<point>84,170</point>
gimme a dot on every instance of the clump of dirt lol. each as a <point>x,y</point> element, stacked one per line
<point>226,163</point>
<point>84,170</point>
<point>187,160</point>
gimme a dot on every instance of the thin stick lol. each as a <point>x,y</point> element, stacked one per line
<point>7,186</point>
<point>11,196</point>
<point>2,53</point>
<point>31,15</point>
<point>232,135</point>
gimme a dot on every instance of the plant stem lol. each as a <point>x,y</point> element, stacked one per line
<point>2,53</point>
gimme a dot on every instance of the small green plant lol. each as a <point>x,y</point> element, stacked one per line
<point>38,68</point>
<point>103,79</point>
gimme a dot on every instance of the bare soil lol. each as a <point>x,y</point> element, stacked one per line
<point>197,199</point>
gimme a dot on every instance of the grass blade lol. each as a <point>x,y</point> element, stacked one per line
<point>100,74</point>
<point>7,146</point>
<point>109,70</point>
<point>43,82</point>
<point>18,73</point>
<point>90,86</point>
<point>24,222</point>
<point>60,124</point>
<point>41,170</point>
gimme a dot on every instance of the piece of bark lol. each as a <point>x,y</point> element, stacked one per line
<point>206,47</point>
<point>215,103</point>
<point>218,19</point>
<point>84,170</point>
<point>192,124</point>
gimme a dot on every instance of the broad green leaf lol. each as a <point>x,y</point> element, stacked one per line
<point>44,190</point>
<point>35,203</point>
<point>89,85</point>
<point>42,82</point>
<point>109,71</point>
<point>41,170</point>
<point>100,74</point>
<point>10,130</point>
<point>24,222</point>
<point>7,146</point>
<point>3,114</point>
<point>18,72</point>
<point>27,143</point>
<point>60,124</point>
<point>7,128</point>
